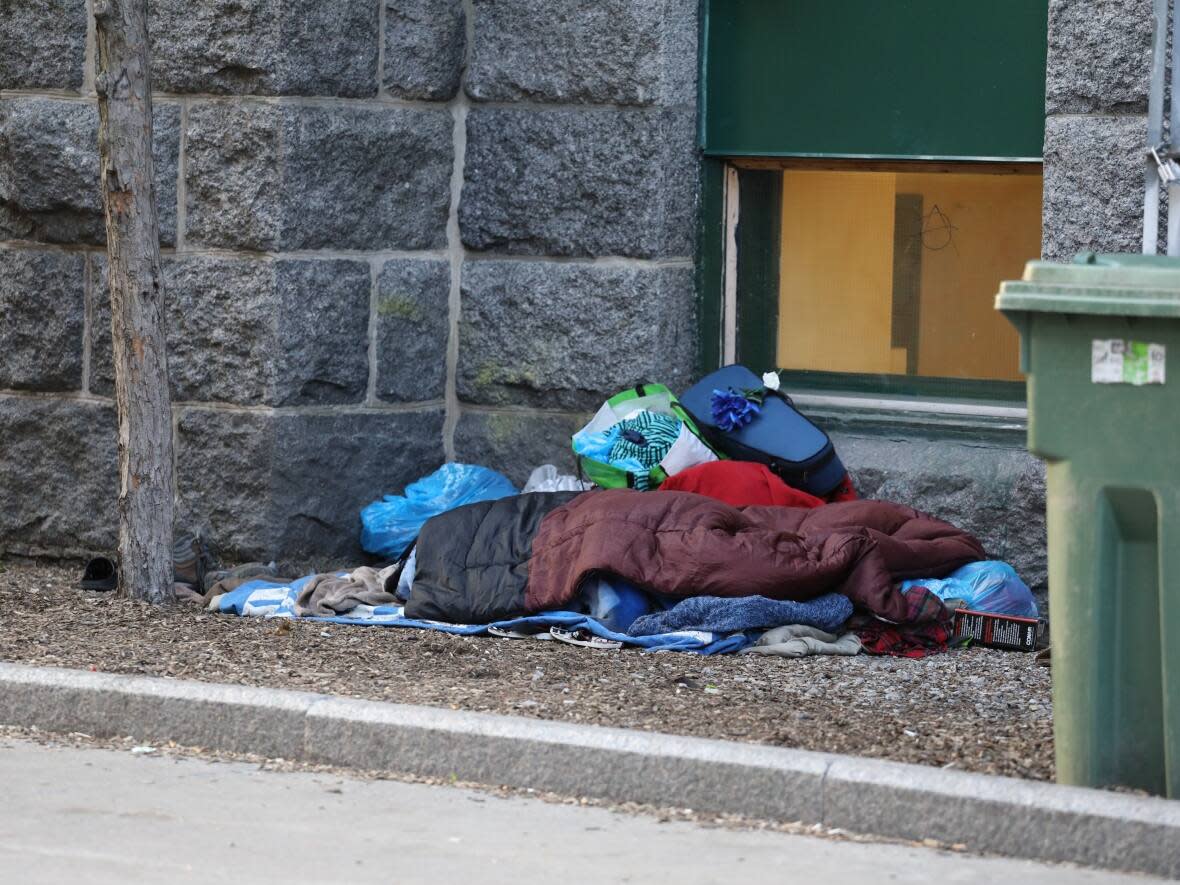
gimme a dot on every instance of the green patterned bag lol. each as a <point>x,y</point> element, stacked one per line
<point>638,439</point>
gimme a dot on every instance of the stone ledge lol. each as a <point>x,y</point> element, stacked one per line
<point>990,814</point>
<point>236,718</point>
<point>1008,816</point>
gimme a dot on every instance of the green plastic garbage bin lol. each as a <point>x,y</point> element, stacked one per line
<point>1096,338</point>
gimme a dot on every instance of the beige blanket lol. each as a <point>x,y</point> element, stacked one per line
<point>328,595</point>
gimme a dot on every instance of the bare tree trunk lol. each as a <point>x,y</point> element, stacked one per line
<point>137,300</point>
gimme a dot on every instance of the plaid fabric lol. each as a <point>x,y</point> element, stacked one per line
<point>927,629</point>
<point>914,642</point>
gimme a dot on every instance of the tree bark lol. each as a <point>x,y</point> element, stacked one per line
<point>137,300</point>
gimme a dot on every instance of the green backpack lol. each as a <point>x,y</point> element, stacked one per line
<point>649,448</point>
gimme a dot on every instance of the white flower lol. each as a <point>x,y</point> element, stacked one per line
<point>770,380</point>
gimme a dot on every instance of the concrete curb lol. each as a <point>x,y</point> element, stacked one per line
<point>993,814</point>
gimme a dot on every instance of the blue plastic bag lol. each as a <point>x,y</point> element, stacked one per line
<point>390,525</point>
<point>990,586</point>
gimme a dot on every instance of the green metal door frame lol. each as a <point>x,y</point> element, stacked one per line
<point>906,79</point>
<point>757,305</point>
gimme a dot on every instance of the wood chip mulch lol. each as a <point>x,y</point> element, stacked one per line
<point>976,709</point>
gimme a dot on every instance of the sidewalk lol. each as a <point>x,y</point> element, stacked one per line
<point>985,814</point>
<point>127,819</point>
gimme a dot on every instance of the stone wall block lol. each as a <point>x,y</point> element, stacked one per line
<point>1099,56</point>
<point>603,52</point>
<point>268,178</point>
<point>625,52</point>
<point>223,480</point>
<point>569,335</point>
<point>515,442</point>
<point>329,467</point>
<point>42,303</point>
<point>44,44</point>
<point>425,41</point>
<point>165,159</point>
<point>232,177</point>
<point>997,493</point>
<point>366,179</point>
<point>58,473</point>
<point>292,486</point>
<point>412,328</point>
<point>221,329</point>
<point>681,183</point>
<point>680,60</point>
<point>221,315</point>
<point>254,332</point>
<point>49,179</point>
<point>265,47</point>
<point>1093,185</point>
<point>323,332</point>
<point>577,182</point>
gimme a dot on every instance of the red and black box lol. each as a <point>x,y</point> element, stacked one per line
<point>996,631</point>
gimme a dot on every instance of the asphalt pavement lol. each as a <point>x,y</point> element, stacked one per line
<point>71,815</point>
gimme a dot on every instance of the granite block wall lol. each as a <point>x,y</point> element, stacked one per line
<point>1097,81</point>
<point>394,232</point>
<point>401,231</point>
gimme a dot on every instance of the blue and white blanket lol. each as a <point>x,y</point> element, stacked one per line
<point>270,599</point>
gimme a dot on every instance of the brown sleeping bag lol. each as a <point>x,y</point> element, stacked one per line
<point>682,544</point>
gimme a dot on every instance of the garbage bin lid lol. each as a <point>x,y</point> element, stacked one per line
<point>1120,285</point>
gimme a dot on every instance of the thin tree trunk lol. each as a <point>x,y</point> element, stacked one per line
<point>137,300</point>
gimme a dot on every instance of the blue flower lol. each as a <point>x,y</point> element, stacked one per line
<point>732,410</point>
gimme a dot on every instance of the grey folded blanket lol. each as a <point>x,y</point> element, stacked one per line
<point>331,594</point>
<point>801,640</point>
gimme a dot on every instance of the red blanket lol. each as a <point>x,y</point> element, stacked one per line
<point>739,484</point>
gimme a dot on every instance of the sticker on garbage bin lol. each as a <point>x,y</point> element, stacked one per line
<point>1115,361</point>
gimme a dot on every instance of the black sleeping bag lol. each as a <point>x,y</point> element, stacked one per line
<point>472,562</point>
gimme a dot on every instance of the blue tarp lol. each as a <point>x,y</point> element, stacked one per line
<point>269,599</point>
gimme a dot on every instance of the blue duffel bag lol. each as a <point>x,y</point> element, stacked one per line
<point>778,436</point>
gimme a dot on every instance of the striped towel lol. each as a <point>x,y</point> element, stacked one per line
<point>646,438</point>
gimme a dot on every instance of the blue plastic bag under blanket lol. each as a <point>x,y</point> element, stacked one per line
<point>990,586</point>
<point>391,524</point>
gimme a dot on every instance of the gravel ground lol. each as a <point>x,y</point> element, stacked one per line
<point>976,709</point>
